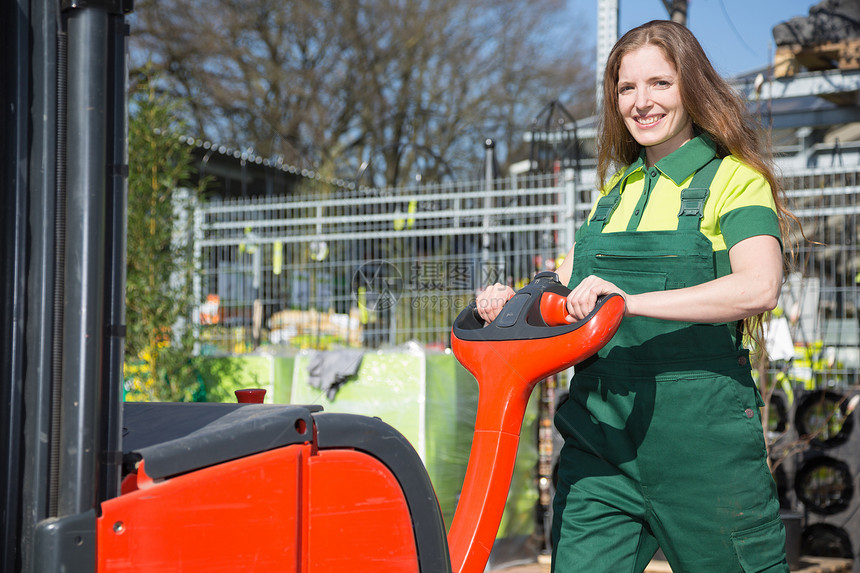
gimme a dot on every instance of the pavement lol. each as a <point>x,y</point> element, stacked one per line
<point>542,566</point>
<point>808,564</point>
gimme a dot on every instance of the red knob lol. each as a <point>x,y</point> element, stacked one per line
<point>553,309</point>
<point>250,395</point>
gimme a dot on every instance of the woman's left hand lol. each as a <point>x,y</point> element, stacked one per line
<point>583,298</point>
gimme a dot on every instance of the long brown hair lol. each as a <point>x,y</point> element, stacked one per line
<point>712,104</point>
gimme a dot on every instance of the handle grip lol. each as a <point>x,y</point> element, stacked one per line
<point>527,342</point>
<point>553,309</point>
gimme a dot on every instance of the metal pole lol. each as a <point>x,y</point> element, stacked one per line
<point>115,265</point>
<point>15,144</point>
<point>489,146</point>
<point>607,35</point>
<point>88,32</point>
<point>46,165</point>
<point>678,12</point>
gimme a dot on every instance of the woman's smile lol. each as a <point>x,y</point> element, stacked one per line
<point>649,121</point>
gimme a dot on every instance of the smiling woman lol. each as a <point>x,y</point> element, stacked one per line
<point>663,437</point>
<point>688,231</point>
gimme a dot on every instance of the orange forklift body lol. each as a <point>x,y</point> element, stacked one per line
<point>327,500</point>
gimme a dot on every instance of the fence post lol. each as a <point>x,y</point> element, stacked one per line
<point>489,159</point>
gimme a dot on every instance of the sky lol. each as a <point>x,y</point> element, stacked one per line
<point>736,34</point>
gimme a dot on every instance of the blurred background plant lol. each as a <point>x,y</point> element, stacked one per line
<point>160,264</point>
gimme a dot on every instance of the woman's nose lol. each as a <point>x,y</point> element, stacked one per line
<point>643,99</point>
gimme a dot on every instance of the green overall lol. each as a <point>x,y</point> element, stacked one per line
<point>663,440</point>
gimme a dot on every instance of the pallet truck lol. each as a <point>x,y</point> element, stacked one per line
<point>92,484</point>
<point>214,487</point>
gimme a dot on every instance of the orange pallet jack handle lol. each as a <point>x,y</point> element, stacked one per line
<point>529,341</point>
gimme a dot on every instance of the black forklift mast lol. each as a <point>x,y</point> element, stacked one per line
<point>63,171</point>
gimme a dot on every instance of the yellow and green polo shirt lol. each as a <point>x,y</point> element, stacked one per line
<point>740,204</point>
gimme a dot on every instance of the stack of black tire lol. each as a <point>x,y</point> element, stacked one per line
<point>820,481</point>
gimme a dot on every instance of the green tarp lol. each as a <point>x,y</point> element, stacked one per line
<point>425,394</point>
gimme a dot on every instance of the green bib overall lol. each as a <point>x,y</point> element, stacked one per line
<point>663,440</point>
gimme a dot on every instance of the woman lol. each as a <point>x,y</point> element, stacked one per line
<point>663,440</point>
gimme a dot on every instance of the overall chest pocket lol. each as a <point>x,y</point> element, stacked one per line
<point>650,272</point>
<point>633,281</point>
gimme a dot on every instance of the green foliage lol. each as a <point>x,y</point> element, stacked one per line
<point>160,260</point>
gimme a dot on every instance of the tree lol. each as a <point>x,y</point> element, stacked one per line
<point>159,268</point>
<point>400,87</point>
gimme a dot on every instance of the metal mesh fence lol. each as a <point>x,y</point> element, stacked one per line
<point>372,267</point>
<point>819,304</point>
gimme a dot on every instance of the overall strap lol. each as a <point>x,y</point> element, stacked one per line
<point>607,204</point>
<point>693,197</point>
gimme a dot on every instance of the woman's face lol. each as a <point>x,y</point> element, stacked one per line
<point>649,101</point>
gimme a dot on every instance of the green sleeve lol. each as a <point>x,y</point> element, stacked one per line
<point>750,221</point>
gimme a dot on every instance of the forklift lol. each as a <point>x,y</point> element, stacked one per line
<point>92,484</point>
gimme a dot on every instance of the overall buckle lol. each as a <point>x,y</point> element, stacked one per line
<point>693,202</point>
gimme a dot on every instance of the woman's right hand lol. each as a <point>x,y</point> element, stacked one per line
<point>490,301</point>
